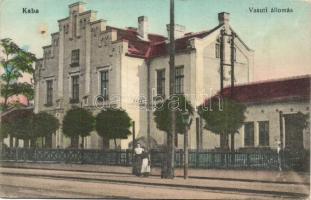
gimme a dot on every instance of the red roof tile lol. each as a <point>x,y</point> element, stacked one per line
<point>272,90</point>
<point>156,46</point>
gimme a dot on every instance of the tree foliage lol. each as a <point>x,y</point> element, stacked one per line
<point>21,127</point>
<point>223,115</point>
<point>15,61</point>
<point>45,124</point>
<point>30,127</point>
<point>113,124</point>
<point>162,113</point>
<point>4,130</point>
<point>78,122</point>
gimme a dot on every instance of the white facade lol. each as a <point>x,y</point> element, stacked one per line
<point>104,48</point>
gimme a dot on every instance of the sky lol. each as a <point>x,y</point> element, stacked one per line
<point>281,41</point>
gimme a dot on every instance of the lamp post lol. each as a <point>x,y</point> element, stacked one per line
<point>187,122</point>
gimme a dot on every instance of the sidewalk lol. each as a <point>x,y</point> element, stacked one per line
<point>287,177</point>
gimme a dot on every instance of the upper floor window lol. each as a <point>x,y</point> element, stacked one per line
<point>263,133</point>
<point>249,134</point>
<point>75,57</point>
<point>49,92</point>
<point>104,84</point>
<point>179,80</point>
<point>161,82</point>
<point>217,50</point>
<point>75,89</point>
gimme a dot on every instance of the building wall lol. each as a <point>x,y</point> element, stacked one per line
<point>264,112</point>
<point>201,79</point>
<point>100,50</point>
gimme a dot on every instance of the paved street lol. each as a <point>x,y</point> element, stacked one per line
<point>39,183</point>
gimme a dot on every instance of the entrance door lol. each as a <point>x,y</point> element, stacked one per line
<point>293,132</point>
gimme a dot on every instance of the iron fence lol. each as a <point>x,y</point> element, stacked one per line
<point>241,159</point>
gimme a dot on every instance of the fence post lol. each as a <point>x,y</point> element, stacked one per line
<point>248,160</point>
<point>127,157</point>
<point>197,158</point>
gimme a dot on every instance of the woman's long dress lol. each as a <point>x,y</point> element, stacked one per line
<point>145,167</point>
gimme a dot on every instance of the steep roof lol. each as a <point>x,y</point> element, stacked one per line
<point>157,44</point>
<point>292,88</point>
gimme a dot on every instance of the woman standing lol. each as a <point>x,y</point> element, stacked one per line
<point>145,167</point>
<point>138,151</point>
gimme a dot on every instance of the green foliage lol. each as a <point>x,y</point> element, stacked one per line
<point>113,123</point>
<point>21,127</point>
<point>162,114</point>
<point>225,116</point>
<point>78,122</point>
<point>44,124</point>
<point>4,130</point>
<point>15,61</point>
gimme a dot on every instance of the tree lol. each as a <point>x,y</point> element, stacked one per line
<point>162,114</point>
<point>78,122</point>
<point>113,124</point>
<point>20,128</point>
<point>15,62</point>
<point>223,116</point>
<point>44,126</point>
<point>3,133</point>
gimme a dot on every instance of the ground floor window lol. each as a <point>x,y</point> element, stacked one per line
<point>249,134</point>
<point>263,133</point>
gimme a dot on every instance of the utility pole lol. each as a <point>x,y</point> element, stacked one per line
<point>171,135</point>
<point>233,56</point>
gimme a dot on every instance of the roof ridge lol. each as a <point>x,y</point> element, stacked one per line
<point>273,80</point>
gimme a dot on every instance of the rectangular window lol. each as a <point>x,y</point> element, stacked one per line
<point>249,134</point>
<point>75,57</point>
<point>179,80</point>
<point>75,89</point>
<point>49,92</point>
<point>161,82</point>
<point>263,133</point>
<point>104,84</point>
<point>217,50</point>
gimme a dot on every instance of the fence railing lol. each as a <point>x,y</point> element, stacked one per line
<point>260,159</point>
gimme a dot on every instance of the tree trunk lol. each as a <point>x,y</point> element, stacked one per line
<point>232,149</point>
<point>223,146</point>
<point>48,141</point>
<point>42,142</point>
<point>74,142</point>
<point>1,144</point>
<point>115,143</point>
<point>232,142</point>
<point>11,141</point>
<point>82,142</point>
<point>224,143</point>
<point>26,143</point>
<point>105,142</point>
<point>33,142</point>
<point>16,142</point>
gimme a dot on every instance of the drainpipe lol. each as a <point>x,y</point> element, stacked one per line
<point>149,106</point>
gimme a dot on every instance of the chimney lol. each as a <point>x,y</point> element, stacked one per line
<point>77,7</point>
<point>143,27</point>
<point>179,30</point>
<point>223,18</point>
